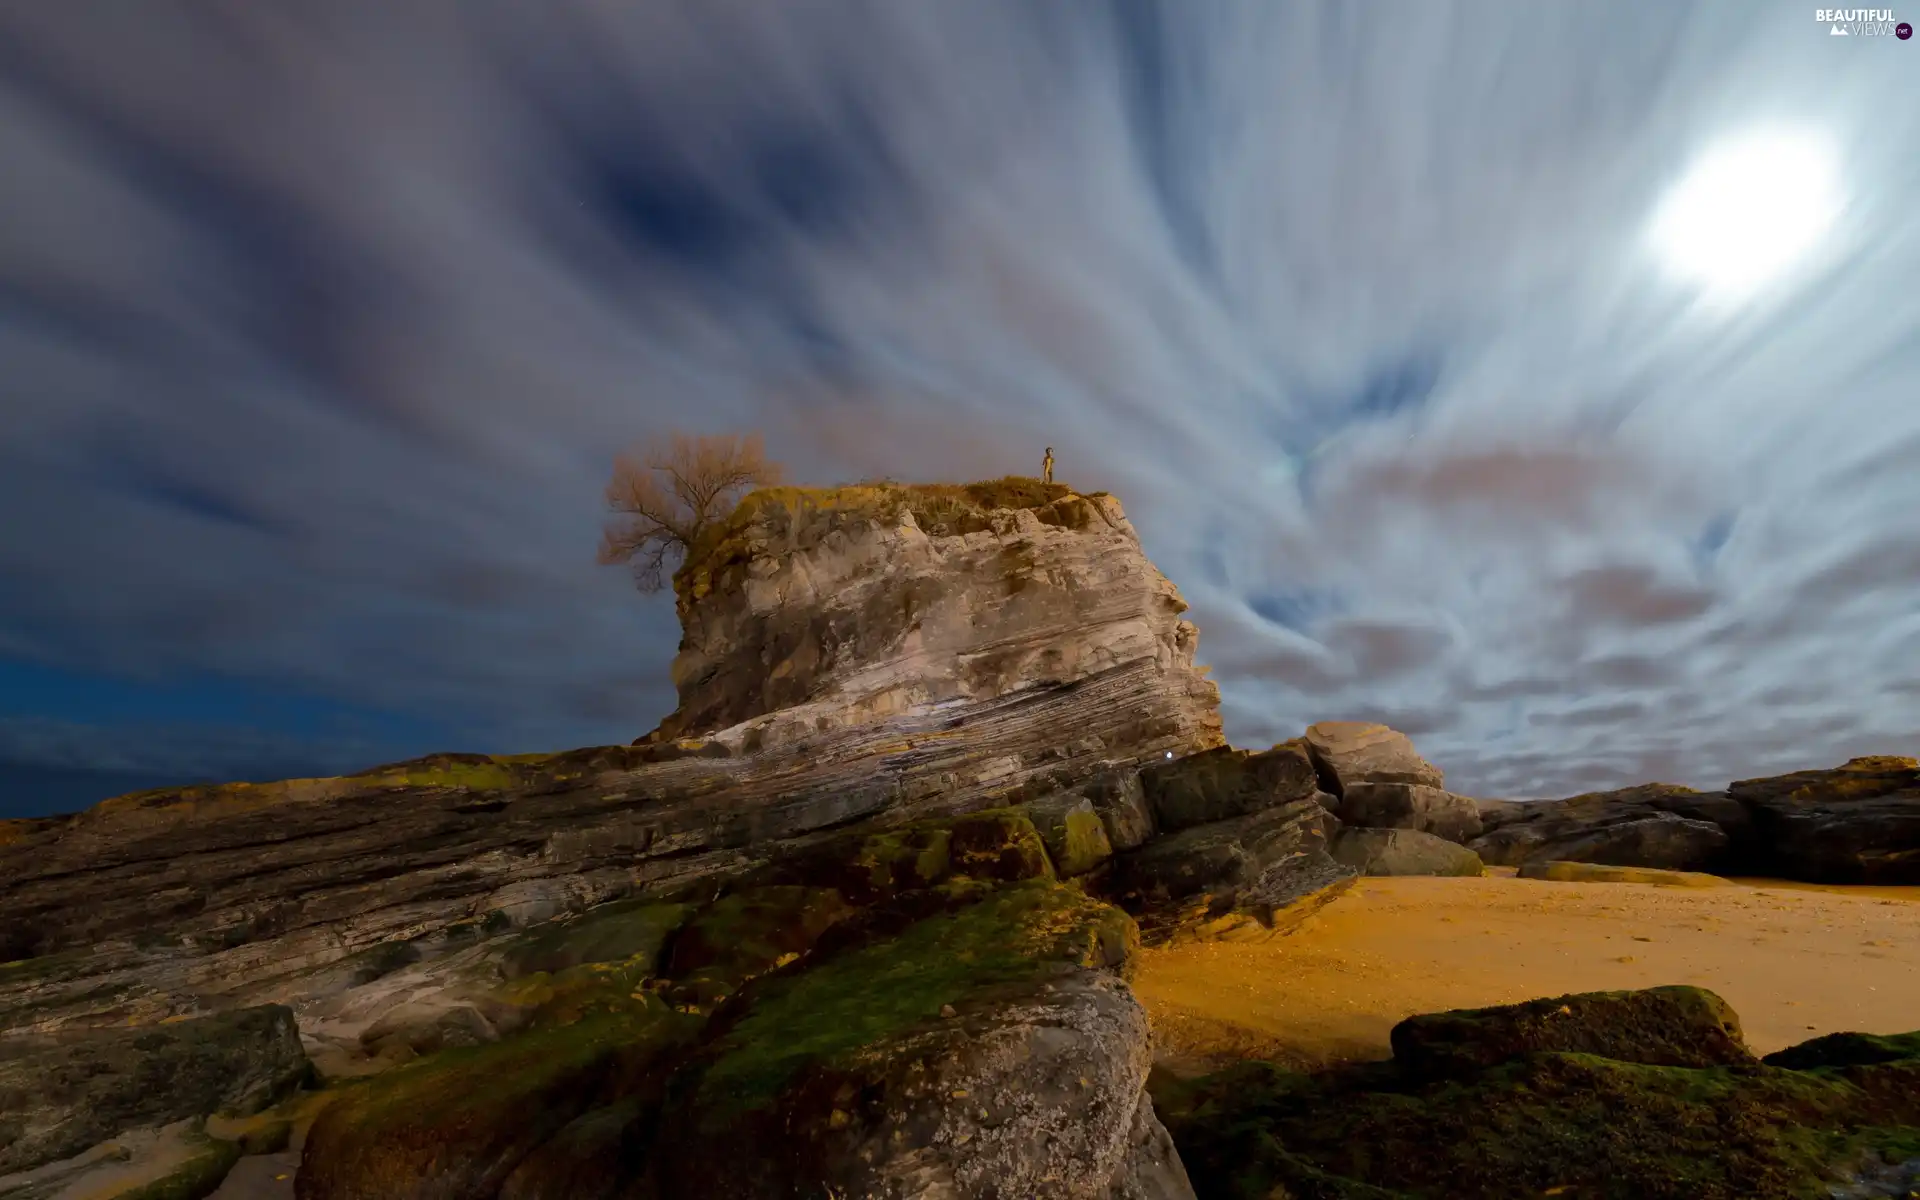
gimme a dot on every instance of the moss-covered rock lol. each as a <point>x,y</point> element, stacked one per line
<point>461,1123</point>
<point>1249,877</point>
<point>625,931</point>
<point>199,1175</point>
<point>1075,837</point>
<point>1662,1026</point>
<point>1846,1050</point>
<point>1542,1121</point>
<point>748,933</point>
<point>992,1043</point>
<point>72,1091</point>
<point>1223,783</point>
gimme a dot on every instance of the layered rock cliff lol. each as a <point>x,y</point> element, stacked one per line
<point>813,610</point>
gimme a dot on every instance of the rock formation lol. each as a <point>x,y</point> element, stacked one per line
<point>1856,823</point>
<point>1378,781</point>
<point>866,902</point>
<point>1651,1094</point>
<point>814,610</point>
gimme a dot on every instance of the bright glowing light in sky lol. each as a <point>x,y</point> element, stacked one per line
<point>1748,210</point>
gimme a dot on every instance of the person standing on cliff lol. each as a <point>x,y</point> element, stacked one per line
<point>1046,467</point>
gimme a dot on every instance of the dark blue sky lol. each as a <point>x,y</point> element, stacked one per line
<point>1410,345</point>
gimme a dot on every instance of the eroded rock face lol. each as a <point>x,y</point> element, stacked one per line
<point>1350,752</point>
<point>838,607</point>
<point>1642,1094</point>
<point>60,1094</point>
<point>1249,876</point>
<point>1219,784</point>
<point>1857,823</point>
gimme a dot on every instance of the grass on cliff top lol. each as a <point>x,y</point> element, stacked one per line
<point>936,507</point>
<point>857,999</point>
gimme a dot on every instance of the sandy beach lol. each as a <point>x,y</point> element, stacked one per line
<point>1794,960</point>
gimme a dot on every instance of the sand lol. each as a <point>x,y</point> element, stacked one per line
<point>1794,961</point>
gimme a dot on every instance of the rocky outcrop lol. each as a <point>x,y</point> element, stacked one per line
<point>959,1026</point>
<point>1645,1094</point>
<point>1403,852</point>
<point>61,1093</point>
<point>844,659</point>
<point>1379,781</point>
<point>1662,1027</point>
<point>1857,823</point>
<point>815,609</point>
<point>1653,825</point>
<point>1247,877</point>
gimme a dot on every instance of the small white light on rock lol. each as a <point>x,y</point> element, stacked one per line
<point>1169,754</point>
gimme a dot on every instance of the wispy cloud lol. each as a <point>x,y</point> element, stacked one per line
<point>321,329</point>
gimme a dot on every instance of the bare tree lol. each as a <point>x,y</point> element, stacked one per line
<point>668,493</point>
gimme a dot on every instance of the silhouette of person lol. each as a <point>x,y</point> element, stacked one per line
<point>1046,467</point>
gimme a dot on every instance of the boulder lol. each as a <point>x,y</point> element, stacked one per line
<point>1075,836</point>
<point>988,1050</point>
<point>1410,806</point>
<point>1121,800</point>
<point>1403,852</point>
<point>1662,1026</point>
<point>1350,752</point>
<point>1249,876</point>
<point>1548,1122</point>
<point>1847,1050</point>
<point>465,1125</point>
<point>1657,825</point>
<point>1218,784</point>
<point>1857,823</point>
<point>61,1093</point>
<point>1580,872</point>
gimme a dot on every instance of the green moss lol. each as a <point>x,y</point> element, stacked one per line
<point>200,1176</point>
<point>1590,1126</point>
<point>862,996</point>
<point>748,933</point>
<point>466,1115</point>
<point>1847,1050</point>
<point>626,932</point>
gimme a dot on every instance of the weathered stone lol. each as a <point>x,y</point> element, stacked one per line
<point>1074,834</point>
<point>1121,801</point>
<point>1271,867</point>
<point>1403,852</point>
<point>610,933</point>
<point>1151,1167</point>
<point>458,1126</point>
<point>1222,783</point>
<point>1582,872</point>
<point>1410,806</point>
<point>1857,823</point>
<point>750,932</point>
<point>1545,1122</point>
<point>848,1079</point>
<point>1662,1026</point>
<point>62,1093</point>
<point>864,596</point>
<point>1350,752</point>
<point>1653,825</point>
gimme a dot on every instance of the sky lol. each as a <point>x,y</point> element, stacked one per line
<point>320,326</point>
